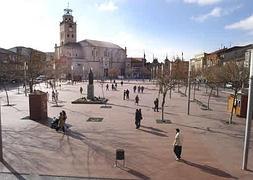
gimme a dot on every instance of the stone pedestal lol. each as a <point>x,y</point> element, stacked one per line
<point>38,106</point>
<point>90,91</point>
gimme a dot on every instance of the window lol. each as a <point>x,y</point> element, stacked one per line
<point>70,25</point>
<point>67,35</point>
<point>72,35</point>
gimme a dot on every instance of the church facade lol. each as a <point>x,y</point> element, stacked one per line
<point>80,56</point>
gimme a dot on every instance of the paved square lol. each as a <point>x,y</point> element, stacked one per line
<point>211,148</point>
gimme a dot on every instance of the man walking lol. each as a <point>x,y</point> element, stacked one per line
<point>138,118</point>
<point>156,102</point>
<point>177,145</point>
<point>137,100</point>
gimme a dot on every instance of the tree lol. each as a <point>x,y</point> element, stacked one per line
<point>36,63</point>
<point>235,74</point>
<point>113,73</point>
<point>165,82</point>
<point>10,71</point>
<point>213,77</point>
<point>180,73</point>
<point>145,73</point>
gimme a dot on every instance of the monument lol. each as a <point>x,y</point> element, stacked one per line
<point>90,86</point>
<point>91,99</point>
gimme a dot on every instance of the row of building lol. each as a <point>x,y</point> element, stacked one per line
<point>106,58</point>
<point>238,54</point>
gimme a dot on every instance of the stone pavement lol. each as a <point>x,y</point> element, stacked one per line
<point>212,149</point>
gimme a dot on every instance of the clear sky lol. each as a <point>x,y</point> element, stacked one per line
<point>157,27</point>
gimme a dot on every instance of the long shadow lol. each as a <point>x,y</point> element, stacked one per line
<point>209,169</point>
<point>12,170</point>
<point>239,136</point>
<point>47,122</point>
<point>154,129</point>
<point>124,106</point>
<point>154,133</point>
<point>135,173</point>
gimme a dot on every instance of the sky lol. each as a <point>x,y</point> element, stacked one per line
<point>156,27</point>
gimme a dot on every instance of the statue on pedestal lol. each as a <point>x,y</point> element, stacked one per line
<point>90,77</point>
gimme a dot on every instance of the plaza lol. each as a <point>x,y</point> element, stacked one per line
<point>212,149</point>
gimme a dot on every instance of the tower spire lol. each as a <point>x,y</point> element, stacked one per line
<point>68,10</point>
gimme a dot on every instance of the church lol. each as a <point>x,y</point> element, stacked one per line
<point>80,56</point>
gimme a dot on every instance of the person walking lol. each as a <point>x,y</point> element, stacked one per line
<point>142,89</point>
<point>134,88</point>
<point>127,94</point>
<point>53,95</point>
<point>137,118</point>
<point>139,89</point>
<point>156,102</point>
<point>124,95</point>
<point>107,87</point>
<point>140,118</point>
<point>177,144</point>
<point>56,95</point>
<point>137,100</point>
<point>62,120</point>
<point>81,90</point>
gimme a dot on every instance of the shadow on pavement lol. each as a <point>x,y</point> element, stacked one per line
<point>154,129</point>
<point>153,132</point>
<point>12,170</point>
<point>209,169</point>
<point>135,173</point>
<point>123,106</point>
<point>239,136</point>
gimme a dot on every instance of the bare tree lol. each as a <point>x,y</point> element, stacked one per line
<point>235,74</point>
<point>36,62</point>
<point>165,82</point>
<point>113,73</point>
<point>10,71</point>
<point>180,73</point>
<point>214,78</point>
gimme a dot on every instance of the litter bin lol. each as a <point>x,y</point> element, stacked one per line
<point>120,155</point>
<point>38,105</point>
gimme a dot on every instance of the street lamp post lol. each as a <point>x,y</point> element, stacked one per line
<point>54,68</point>
<point>72,68</point>
<point>83,73</point>
<point>170,77</point>
<point>189,88</point>
<point>25,69</point>
<point>248,117</point>
<point>1,143</point>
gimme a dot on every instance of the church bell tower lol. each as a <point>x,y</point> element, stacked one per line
<point>67,28</point>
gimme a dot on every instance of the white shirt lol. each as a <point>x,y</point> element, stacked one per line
<point>178,139</point>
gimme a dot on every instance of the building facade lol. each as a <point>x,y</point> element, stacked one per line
<point>80,56</point>
<point>199,62</point>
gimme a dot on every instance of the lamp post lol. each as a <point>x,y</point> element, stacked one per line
<point>248,117</point>
<point>25,69</point>
<point>54,75</point>
<point>170,77</point>
<point>83,73</point>
<point>1,143</point>
<point>72,68</point>
<point>189,88</point>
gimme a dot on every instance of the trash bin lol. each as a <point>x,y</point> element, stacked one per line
<point>120,155</point>
<point>38,106</point>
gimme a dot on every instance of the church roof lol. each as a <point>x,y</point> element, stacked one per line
<point>101,44</point>
<point>5,51</point>
<point>72,44</point>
